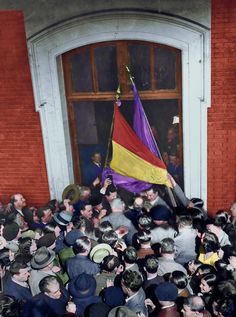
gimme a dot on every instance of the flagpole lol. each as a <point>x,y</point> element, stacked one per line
<point>112,126</point>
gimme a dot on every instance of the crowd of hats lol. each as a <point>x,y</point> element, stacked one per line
<point>112,299</point>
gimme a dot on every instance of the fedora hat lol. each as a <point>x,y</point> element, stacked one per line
<point>42,258</point>
<point>121,311</point>
<point>84,285</point>
<point>62,218</point>
<point>71,192</point>
<point>99,252</point>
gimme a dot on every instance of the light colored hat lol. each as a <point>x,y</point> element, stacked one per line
<point>62,218</point>
<point>12,245</point>
<point>71,192</point>
<point>42,258</point>
<point>99,252</point>
<point>28,234</point>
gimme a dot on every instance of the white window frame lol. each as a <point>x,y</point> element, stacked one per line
<point>45,51</point>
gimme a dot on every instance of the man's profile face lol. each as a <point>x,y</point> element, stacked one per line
<point>233,210</point>
<point>112,196</point>
<point>151,195</point>
<point>20,201</point>
<point>54,290</point>
<point>23,275</point>
<point>87,212</point>
<point>47,216</point>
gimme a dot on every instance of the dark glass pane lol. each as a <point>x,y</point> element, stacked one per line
<point>163,116</point>
<point>105,60</point>
<point>81,72</point>
<point>165,68</point>
<point>140,65</point>
<point>93,125</point>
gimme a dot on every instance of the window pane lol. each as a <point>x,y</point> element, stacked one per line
<point>105,59</point>
<point>162,116</point>
<point>165,68</point>
<point>93,125</point>
<point>140,65</point>
<point>81,72</point>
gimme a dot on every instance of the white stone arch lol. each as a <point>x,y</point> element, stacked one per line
<point>46,48</point>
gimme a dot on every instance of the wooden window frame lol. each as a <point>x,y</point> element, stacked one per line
<point>123,79</point>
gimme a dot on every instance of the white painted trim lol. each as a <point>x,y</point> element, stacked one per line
<point>45,51</point>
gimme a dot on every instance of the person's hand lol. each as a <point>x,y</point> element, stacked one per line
<point>11,255</point>
<point>2,271</point>
<point>141,314</point>
<point>173,182</point>
<point>110,283</point>
<point>190,204</point>
<point>220,253</point>
<point>37,236</point>
<point>3,241</point>
<point>149,302</point>
<point>121,231</point>
<point>102,213</point>
<point>96,182</point>
<point>56,269</point>
<point>107,182</point>
<point>121,246</point>
<point>71,307</point>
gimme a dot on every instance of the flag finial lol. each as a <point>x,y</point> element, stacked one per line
<point>118,93</point>
<point>130,76</point>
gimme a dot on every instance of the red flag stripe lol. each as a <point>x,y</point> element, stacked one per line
<point>125,136</point>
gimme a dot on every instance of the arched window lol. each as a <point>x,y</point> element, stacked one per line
<point>92,74</point>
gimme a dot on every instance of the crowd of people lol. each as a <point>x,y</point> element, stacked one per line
<point>101,256</point>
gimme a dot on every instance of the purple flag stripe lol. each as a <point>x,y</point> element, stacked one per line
<point>141,125</point>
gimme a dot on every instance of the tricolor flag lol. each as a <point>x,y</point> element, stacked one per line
<point>132,158</point>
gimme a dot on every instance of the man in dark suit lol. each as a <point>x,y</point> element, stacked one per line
<point>51,302</point>
<point>93,170</point>
<point>17,285</point>
<point>131,284</point>
<point>80,263</point>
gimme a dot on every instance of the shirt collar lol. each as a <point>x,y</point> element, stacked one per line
<point>168,306</point>
<point>23,284</point>
<point>20,212</point>
<point>129,298</point>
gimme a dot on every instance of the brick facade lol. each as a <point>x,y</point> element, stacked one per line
<point>22,161</point>
<point>222,114</point>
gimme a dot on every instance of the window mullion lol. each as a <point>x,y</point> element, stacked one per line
<point>94,71</point>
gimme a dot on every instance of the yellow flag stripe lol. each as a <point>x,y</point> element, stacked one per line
<point>129,164</point>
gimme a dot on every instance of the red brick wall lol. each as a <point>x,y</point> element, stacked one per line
<point>222,114</point>
<point>22,162</point>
